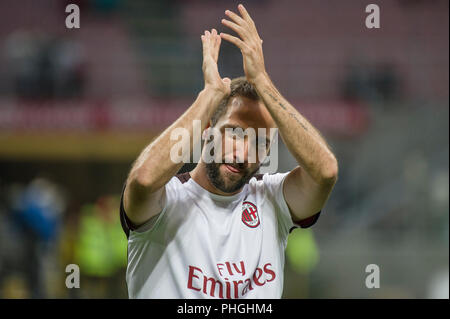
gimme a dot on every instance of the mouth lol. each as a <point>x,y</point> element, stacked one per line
<point>233,169</point>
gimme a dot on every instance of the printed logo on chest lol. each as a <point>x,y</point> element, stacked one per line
<point>250,215</point>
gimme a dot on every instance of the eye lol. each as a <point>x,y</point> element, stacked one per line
<point>239,134</point>
<point>234,133</point>
<point>263,143</point>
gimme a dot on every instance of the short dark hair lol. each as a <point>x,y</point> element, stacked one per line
<point>239,87</point>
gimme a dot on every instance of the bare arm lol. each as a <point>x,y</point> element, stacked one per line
<point>308,186</point>
<point>144,194</point>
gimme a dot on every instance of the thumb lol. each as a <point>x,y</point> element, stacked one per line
<point>226,81</point>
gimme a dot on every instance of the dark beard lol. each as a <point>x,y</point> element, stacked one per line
<point>218,181</point>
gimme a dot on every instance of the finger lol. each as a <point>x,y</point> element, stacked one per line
<point>247,18</point>
<point>203,37</point>
<point>238,29</point>
<point>236,41</point>
<point>208,40</point>
<point>212,41</point>
<point>245,14</point>
<point>233,16</point>
<point>217,50</point>
<point>206,44</point>
<point>215,38</point>
<point>216,44</point>
<point>226,81</point>
<point>218,40</point>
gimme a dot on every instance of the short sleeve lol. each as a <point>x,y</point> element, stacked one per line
<point>170,199</point>
<point>274,188</point>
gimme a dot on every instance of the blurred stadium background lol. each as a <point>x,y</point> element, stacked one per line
<point>77,106</point>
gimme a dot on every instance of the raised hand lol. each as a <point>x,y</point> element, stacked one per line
<point>249,42</point>
<point>211,46</point>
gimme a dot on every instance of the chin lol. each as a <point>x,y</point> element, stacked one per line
<point>225,180</point>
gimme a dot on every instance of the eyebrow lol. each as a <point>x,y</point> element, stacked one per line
<point>234,126</point>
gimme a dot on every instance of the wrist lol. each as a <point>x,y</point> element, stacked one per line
<point>261,80</point>
<point>212,94</point>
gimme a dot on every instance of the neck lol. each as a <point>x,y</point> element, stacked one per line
<point>199,175</point>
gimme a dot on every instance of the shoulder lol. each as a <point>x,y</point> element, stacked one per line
<point>268,179</point>
<point>270,185</point>
<point>178,182</point>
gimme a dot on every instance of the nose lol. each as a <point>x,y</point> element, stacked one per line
<point>240,152</point>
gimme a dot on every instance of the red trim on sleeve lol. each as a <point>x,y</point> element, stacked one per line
<point>307,222</point>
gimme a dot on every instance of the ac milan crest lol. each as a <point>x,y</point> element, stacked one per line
<point>250,215</point>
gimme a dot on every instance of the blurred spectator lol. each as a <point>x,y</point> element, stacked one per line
<point>69,76</point>
<point>385,82</point>
<point>302,255</point>
<point>101,250</point>
<point>301,251</point>
<point>44,66</point>
<point>34,226</point>
<point>363,81</point>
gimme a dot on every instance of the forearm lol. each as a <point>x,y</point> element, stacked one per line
<point>303,140</point>
<point>154,166</point>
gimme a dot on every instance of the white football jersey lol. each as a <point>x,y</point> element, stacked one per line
<point>204,245</point>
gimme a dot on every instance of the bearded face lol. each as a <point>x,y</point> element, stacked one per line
<point>229,177</point>
<point>236,167</point>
